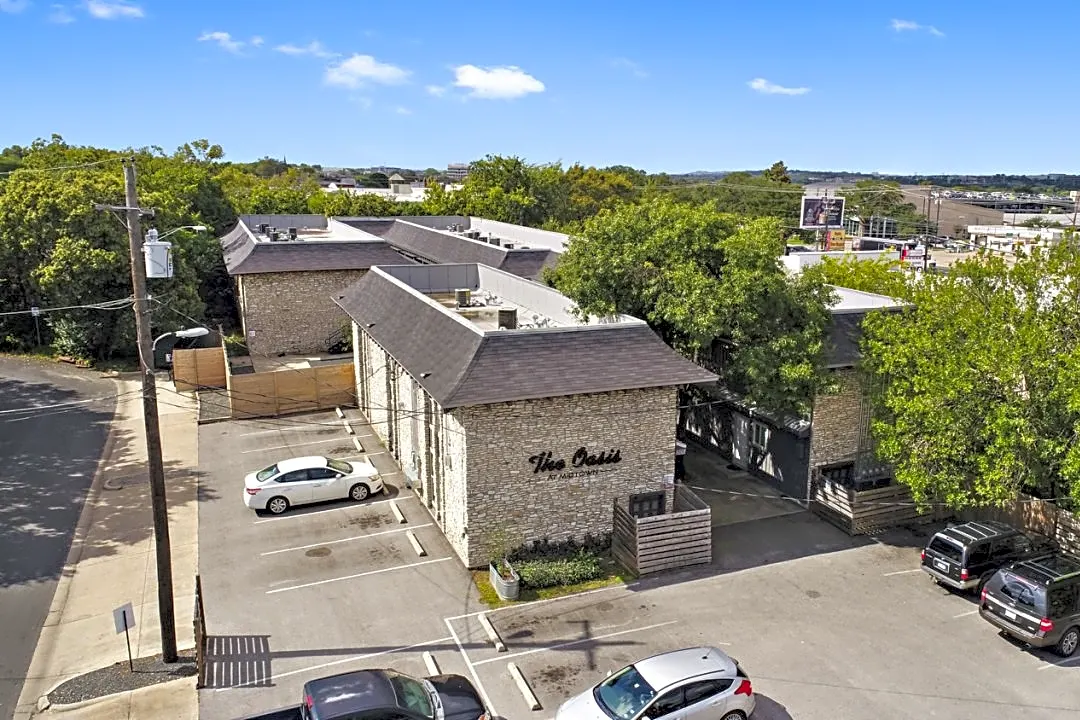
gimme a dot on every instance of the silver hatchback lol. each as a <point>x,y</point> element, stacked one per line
<point>699,683</point>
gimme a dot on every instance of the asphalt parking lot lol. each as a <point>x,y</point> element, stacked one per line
<point>827,626</point>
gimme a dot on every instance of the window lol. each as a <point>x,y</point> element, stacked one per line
<point>411,694</point>
<point>978,554</point>
<point>1013,545</point>
<point>624,694</point>
<point>1064,600</point>
<point>759,435</point>
<point>340,465</point>
<point>669,702</point>
<point>1022,594</point>
<point>294,476</point>
<point>647,504</point>
<point>840,474</point>
<point>266,474</point>
<point>696,692</point>
<point>321,474</point>
<point>943,547</point>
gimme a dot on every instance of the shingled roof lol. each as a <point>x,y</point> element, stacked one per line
<point>245,256</point>
<point>461,365</point>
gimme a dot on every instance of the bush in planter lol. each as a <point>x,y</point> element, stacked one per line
<point>548,549</point>
<point>552,571</point>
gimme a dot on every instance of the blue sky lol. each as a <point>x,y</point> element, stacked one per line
<point>926,87</point>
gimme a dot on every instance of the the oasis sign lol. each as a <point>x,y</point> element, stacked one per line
<point>582,461</point>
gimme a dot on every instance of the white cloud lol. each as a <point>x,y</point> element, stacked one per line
<point>113,9</point>
<point>912,26</point>
<point>436,90</point>
<point>14,6</point>
<point>765,87</point>
<point>627,64</point>
<point>497,82</point>
<point>60,15</point>
<point>402,110</point>
<point>358,69</point>
<point>314,48</point>
<point>224,40</point>
<point>256,41</point>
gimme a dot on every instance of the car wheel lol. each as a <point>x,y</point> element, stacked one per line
<point>359,492</point>
<point>1068,643</point>
<point>734,715</point>
<point>277,505</point>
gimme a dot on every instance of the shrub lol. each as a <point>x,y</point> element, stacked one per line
<point>551,571</point>
<point>547,549</point>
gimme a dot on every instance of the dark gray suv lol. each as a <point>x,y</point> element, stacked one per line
<point>965,556</point>
<point>1037,601</point>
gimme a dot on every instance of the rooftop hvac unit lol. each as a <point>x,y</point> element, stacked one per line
<point>508,246</point>
<point>274,237</point>
<point>463,296</point>
<point>473,234</point>
<point>292,233</point>
<point>264,228</point>
<point>494,240</point>
<point>508,318</point>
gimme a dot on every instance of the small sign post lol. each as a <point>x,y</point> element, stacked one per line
<point>124,620</point>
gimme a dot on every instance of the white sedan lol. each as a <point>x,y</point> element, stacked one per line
<point>298,481</point>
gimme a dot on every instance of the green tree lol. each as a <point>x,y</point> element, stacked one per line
<point>696,275</point>
<point>882,276</point>
<point>777,173</point>
<point>876,199</point>
<point>978,384</point>
<point>745,194</point>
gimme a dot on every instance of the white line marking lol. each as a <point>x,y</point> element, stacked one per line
<point>965,614</point>
<point>1061,663</point>
<point>289,447</point>
<point>296,514</point>
<point>335,542</point>
<point>337,662</point>
<point>575,642</point>
<point>902,572</point>
<point>472,669</point>
<point>357,575</point>
<point>381,452</point>
<point>517,606</point>
<point>365,435</point>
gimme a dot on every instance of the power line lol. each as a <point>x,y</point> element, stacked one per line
<point>121,304</point>
<point>61,168</point>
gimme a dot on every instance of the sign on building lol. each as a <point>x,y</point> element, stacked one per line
<point>821,213</point>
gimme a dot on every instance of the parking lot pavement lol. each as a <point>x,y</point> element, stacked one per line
<point>733,495</point>
<point>854,634</point>
<point>321,589</point>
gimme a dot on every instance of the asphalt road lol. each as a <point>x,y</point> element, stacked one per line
<point>48,456</point>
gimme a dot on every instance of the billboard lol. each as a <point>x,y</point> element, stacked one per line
<point>819,213</point>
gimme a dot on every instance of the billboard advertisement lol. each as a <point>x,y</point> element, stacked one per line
<point>819,213</point>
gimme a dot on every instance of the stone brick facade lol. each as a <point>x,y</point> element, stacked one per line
<point>475,467</point>
<point>292,312</point>
<point>838,422</point>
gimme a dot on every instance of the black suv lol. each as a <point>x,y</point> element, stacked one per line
<point>1037,601</point>
<point>966,556</point>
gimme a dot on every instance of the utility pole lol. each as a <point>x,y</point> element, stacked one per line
<point>150,417</point>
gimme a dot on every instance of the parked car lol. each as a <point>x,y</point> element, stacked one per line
<point>297,481</point>
<point>390,695</point>
<point>1037,601</point>
<point>700,683</point>
<point>965,556</point>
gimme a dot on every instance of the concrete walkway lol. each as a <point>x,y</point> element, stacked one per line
<point>112,562</point>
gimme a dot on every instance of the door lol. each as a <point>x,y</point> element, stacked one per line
<point>326,484</point>
<point>740,440</point>
<point>668,706</point>
<point>706,700</point>
<point>294,486</point>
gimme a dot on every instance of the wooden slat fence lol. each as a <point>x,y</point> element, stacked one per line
<point>677,539</point>
<point>280,392</point>
<point>1041,516</point>
<point>198,368</point>
<point>200,635</point>
<point>860,512</point>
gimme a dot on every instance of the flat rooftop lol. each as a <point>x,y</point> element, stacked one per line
<point>857,301</point>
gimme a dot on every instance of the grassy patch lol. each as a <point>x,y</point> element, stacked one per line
<point>614,574</point>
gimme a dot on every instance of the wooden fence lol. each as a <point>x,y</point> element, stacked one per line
<point>199,368</point>
<point>867,511</point>
<point>1040,516</point>
<point>663,542</point>
<point>200,636</point>
<point>280,392</point>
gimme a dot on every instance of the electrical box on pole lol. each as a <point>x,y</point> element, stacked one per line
<point>158,254</point>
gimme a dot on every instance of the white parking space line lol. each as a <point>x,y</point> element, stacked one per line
<point>296,515</point>
<point>1061,663</point>
<point>381,452</point>
<point>472,669</point>
<point>357,575</point>
<point>335,542</point>
<point>354,658</point>
<point>518,606</point>
<point>578,642</point>
<point>965,614</point>
<point>903,572</point>
<point>289,447</point>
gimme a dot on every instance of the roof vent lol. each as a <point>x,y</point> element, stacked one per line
<point>463,297</point>
<point>292,233</point>
<point>494,240</point>
<point>508,318</point>
<point>274,237</point>
<point>473,234</point>
<point>264,228</point>
<point>508,246</point>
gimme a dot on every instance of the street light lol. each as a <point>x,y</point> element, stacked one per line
<point>196,228</point>
<point>192,332</point>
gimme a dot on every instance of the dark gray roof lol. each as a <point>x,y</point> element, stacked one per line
<point>436,246</point>
<point>244,256</point>
<point>470,368</point>
<point>845,333</point>
<point>798,426</point>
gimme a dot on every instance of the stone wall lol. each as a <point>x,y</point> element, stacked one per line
<point>292,312</point>
<point>509,503</point>
<point>835,431</point>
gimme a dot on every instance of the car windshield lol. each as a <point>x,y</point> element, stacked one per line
<point>412,694</point>
<point>942,546</point>
<point>266,473</point>
<point>624,694</point>
<point>340,465</point>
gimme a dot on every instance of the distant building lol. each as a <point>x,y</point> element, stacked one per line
<point>1009,238</point>
<point>457,171</point>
